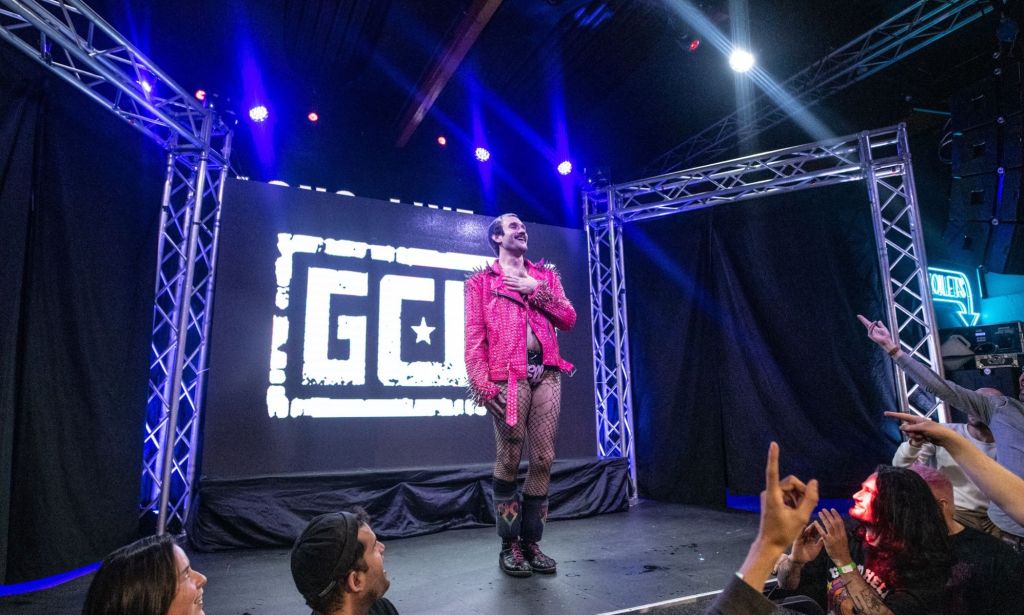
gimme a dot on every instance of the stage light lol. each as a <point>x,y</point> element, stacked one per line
<point>313,117</point>
<point>147,87</point>
<point>741,60</point>
<point>565,167</point>
<point>442,141</point>
<point>259,113</point>
<point>482,154</point>
<point>200,94</point>
<point>694,44</point>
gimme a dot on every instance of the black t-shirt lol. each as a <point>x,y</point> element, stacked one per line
<point>820,579</point>
<point>383,606</point>
<point>987,575</point>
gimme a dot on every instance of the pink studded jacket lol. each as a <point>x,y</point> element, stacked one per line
<point>496,319</point>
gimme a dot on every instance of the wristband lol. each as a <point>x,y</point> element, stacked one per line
<point>847,568</point>
<point>895,351</point>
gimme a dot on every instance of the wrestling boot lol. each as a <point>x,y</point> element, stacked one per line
<point>509,521</point>
<point>535,514</point>
<point>511,560</point>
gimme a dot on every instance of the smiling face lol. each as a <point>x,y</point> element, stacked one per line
<point>188,599</point>
<point>862,509</point>
<point>514,238</point>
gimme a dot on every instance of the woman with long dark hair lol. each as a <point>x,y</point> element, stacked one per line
<point>151,576</point>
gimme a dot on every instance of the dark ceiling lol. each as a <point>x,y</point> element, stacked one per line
<point>610,81</point>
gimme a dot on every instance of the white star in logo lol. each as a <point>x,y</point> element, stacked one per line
<point>423,331</point>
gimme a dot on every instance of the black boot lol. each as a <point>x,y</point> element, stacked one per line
<point>535,514</point>
<point>509,520</point>
<point>511,560</point>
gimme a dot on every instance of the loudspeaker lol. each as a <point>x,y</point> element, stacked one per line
<point>986,212</point>
<point>985,148</point>
<point>986,221</point>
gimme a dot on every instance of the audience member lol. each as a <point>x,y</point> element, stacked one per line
<point>1003,414</point>
<point>150,576</point>
<point>971,505</point>
<point>986,576</point>
<point>338,566</point>
<point>1004,488</point>
<point>786,506</point>
<point>896,561</point>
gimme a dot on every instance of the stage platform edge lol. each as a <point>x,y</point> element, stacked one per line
<point>271,511</point>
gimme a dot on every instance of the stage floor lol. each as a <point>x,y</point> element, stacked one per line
<point>654,552</point>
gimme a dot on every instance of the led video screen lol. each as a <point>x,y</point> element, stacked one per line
<point>337,335</point>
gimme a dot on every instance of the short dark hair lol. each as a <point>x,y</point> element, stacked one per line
<point>496,228</point>
<point>324,555</point>
<point>138,579</point>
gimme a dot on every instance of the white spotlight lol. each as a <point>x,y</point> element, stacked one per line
<point>741,60</point>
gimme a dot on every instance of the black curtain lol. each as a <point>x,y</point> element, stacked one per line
<point>743,331</point>
<point>79,216</point>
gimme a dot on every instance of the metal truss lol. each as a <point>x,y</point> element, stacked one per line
<point>880,158</point>
<point>912,29</point>
<point>612,386</point>
<point>186,261</point>
<point>76,44</point>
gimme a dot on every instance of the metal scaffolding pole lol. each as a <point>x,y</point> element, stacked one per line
<point>612,388</point>
<point>73,42</point>
<point>880,158</point>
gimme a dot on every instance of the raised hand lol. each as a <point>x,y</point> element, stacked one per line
<point>833,535</point>
<point>807,545</point>
<point>920,428</point>
<point>878,333</point>
<point>786,505</point>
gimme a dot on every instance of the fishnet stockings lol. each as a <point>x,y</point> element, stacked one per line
<point>539,407</point>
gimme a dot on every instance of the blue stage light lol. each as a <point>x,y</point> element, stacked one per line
<point>564,167</point>
<point>259,113</point>
<point>482,154</point>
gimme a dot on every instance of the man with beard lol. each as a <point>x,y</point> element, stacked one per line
<point>338,566</point>
<point>896,562</point>
<point>512,310</point>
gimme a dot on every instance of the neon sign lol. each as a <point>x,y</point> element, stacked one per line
<point>954,288</point>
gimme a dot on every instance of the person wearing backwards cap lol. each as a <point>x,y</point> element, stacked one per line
<point>338,566</point>
<point>512,310</point>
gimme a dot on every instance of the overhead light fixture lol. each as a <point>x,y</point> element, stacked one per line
<point>259,113</point>
<point>564,167</point>
<point>482,154</point>
<point>741,60</point>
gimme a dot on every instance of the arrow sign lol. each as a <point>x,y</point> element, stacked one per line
<point>954,287</point>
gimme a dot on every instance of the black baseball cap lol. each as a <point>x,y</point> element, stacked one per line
<point>324,552</point>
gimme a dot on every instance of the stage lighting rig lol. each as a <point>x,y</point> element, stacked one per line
<point>259,114</point>
<point>741,60</point>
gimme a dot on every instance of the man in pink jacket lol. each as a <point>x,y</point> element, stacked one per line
<point>512,310</point>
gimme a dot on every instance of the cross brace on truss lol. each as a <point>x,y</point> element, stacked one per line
<point>912,29</point>
<point>880,158</point>
<point>75,43</point>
